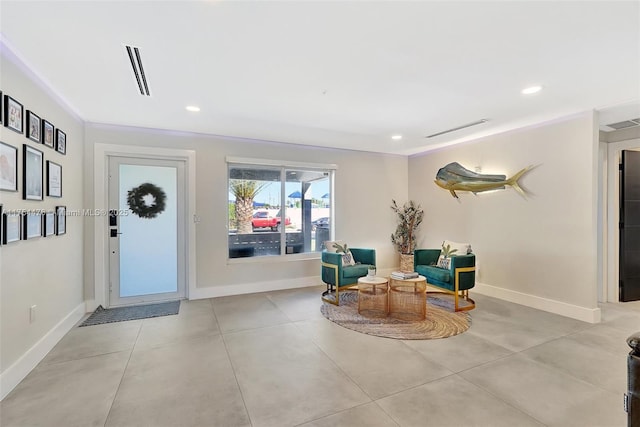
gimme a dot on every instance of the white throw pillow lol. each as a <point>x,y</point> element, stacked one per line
<point>332,246</point>
<point>460,248</point>
<point>455,249</point>
<point>338,246</point>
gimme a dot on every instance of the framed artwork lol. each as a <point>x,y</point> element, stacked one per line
<point>13,112</point>
<point>33,127</point>
<point>8,167</point>
<point>32,173</point>
<point>61,141</point>
<point>32,224</point>
<point>54,179</point>
<point>49,222</point>
<point>47,134</point>
<point>11,227</point>
<point>61,220</point>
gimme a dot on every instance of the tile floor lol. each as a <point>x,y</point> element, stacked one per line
<point>271,359</point>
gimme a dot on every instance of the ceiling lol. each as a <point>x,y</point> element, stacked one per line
<point>347,74</point>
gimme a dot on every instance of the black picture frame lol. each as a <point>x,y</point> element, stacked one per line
<point>31,225</point>
<point>1,224</point>
<point>33,167</point>
<point>13,114</point>
<point>54,179</point>
<point>61,220</point>
<point>11,227</point>
<point>1,121</point>
<point>48,223</point>
<point>34,131</point>
<point>48,134</point>
<point>8,167</point>
<point>61,142</point>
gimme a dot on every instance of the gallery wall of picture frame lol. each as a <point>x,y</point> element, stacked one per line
<point>27,224</point>
<point>16,225</point>
<point>38,129</point>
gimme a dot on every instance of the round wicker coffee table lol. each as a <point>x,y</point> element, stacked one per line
<point>408,298</point>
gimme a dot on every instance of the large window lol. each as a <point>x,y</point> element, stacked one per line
<point>278,210</point>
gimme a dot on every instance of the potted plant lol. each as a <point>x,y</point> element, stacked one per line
<point>404,238</point>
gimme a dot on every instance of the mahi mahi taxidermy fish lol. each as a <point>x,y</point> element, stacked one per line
<point>454,177</point>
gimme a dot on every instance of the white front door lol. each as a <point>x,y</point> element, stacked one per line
<point>146,232</point>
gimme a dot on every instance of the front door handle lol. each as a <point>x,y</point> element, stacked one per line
<point>114,232</point>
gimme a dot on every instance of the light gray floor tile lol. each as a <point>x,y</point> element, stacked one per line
<point>95,340</point>
<point>299,304</point>
<point>160,331</point>
<point>523,315</point>
<point>286,379</point>
<point>547,394</point>
<point>586,362</point>
<point>452,401</point>
<point>180,385</point>
<point>188,370</point>
<point>459,352</point>
<point>73,393</point>
<point>609,339</point>
<point>628,323</point>
<point>380,366</point>
<point>195,307</point>
<point>507,334</point>
<point>241,312</point>
<point>368,415</point>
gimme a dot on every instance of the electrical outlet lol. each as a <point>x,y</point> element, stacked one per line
<point>32,314</point>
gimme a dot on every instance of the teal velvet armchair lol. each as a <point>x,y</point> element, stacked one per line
<point>338,278</point>
<point>458,279</point>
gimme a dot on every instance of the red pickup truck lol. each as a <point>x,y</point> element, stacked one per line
<point>262,219</point>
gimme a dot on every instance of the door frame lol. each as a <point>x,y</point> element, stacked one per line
<point>611,290</point>
<point>101,155</point>
<point>115,248</point>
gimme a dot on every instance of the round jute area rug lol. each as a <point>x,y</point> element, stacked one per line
<point>441,320</point>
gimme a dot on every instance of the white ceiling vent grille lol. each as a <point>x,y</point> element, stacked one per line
<point>479,122</point>
<point>624,124</point>
<point>138,70</point>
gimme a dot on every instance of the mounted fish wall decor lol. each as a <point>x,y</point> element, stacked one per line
<point>454,177</point>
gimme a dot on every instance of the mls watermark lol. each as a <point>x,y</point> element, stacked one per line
<point>98,212</point>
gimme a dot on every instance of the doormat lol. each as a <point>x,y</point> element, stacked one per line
<point>134,312</point>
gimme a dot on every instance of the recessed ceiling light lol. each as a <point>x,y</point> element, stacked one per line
<point>193,108</point>
<point>531,90</point>
<point>396,137</point>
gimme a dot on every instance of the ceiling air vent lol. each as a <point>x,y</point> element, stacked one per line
<point>138,70</point>
<point>624,124</point>
<point>479,122</point>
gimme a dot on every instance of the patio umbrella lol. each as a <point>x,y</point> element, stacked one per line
<point>295,195</point>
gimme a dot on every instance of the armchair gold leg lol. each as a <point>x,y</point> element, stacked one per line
<point>465,293</point>
<point>330,287</point>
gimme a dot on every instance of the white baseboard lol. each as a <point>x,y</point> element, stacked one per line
<point>591,315</point>
<point>250,288</point>
<point>272,285</point>
<point>15,373</point>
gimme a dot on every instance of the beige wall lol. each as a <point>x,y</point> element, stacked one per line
<point>364,186</point>
<point>46,272</point>
<point>535,249</point>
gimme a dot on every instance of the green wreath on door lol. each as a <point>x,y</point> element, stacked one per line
<point>138,205</point>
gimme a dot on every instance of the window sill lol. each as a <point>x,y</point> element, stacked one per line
<point>308,256</point>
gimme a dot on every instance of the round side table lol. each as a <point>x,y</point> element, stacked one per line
<point>373,295</point>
